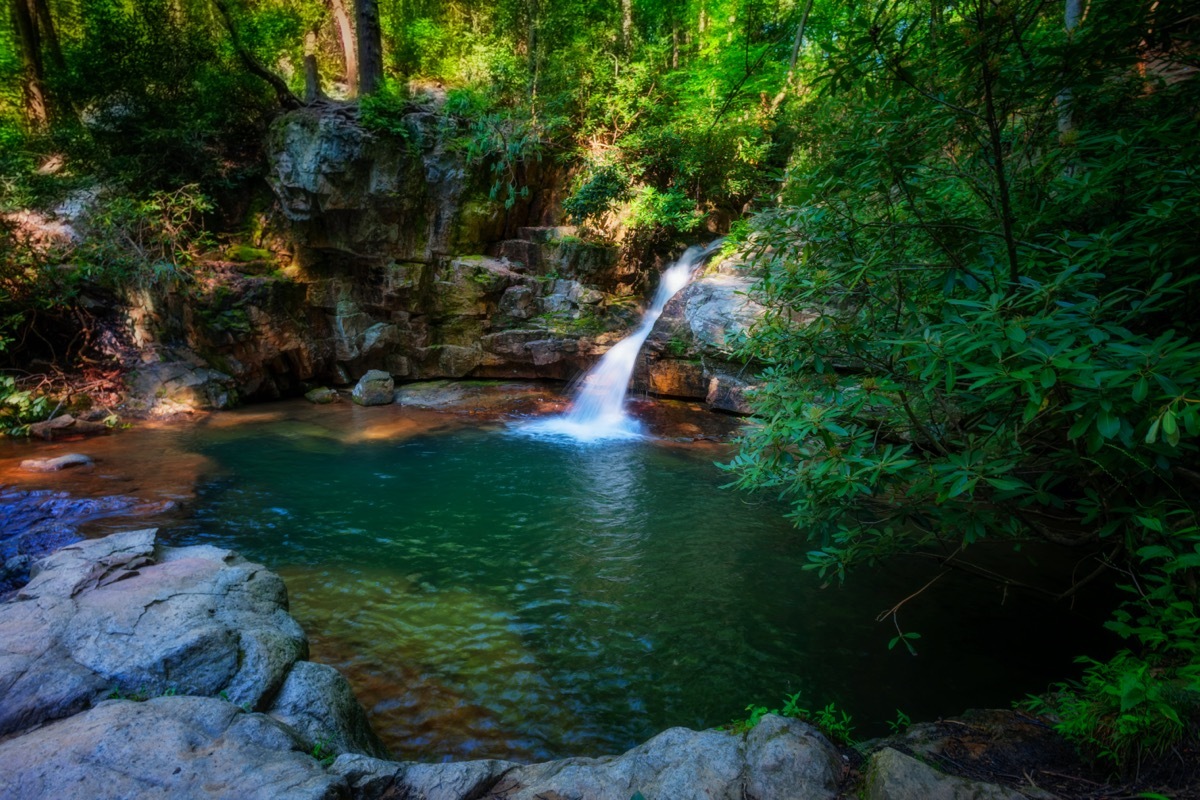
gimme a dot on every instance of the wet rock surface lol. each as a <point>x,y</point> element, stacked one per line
<point>35,523</point>
<point>692,351</point>
<point>55,464</point>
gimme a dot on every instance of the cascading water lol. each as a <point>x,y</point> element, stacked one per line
<point>598,406</point>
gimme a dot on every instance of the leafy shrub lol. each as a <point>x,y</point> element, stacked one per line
<point>979,328</point>
<point>670,210</point>
<point>143,240</point>
<point>596,194</point>
<point>384,111</point>
<point>830,720</point>
<point>19,407</point>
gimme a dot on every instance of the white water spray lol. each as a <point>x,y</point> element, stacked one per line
<point>598,407</point>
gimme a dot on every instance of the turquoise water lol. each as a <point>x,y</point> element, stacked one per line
<point>491,594</point>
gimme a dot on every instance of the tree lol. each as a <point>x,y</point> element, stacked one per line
<point>967,341</point>
<point>349,48</point>
<point>37,108</point>
<point>370,46</point>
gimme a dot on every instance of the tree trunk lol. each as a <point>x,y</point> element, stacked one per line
<point>532,45</point>
<point>370,45</point>
<point>791,73</point>
<point>37,111</point>
<point>626,25</point>
<point>1071,15</point>
<point>252,65</point>
<point>49,34</point>
<point>312,75</point>
<point>345,33</point>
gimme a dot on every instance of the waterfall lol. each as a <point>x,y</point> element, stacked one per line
<point>598,405</point>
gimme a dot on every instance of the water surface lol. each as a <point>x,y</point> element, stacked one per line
<point>491,594</point>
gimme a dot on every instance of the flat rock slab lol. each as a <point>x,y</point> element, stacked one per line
<point>122,615</point>
<point>780,759</point>
<point>169,747</point>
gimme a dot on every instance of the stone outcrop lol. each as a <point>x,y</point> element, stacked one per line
<point>317,703</point>
<point>779,758</point>
<point>385,252</point>
<point>121,616</point>
<point>692,351</point>
<point>892,775</point>
<point>168,747</point>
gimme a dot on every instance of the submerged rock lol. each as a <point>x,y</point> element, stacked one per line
<point>35,523</point>
<point>168,747</point>
<point>376,388</point>
<point>55,464</point>
<point>322,395</point>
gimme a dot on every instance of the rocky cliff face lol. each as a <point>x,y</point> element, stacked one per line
<point>392,257</point>
<point>692,351</point>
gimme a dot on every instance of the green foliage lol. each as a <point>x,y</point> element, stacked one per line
<point>323,753</point>
<point>830,720</point>
<point>385,111</point>
<point>596,194</point>
<point>669,210</point>
<point>978,328</point>
<point>146,240</point>
<point>161,101</point>
<point>1126,709</point>
<point>900,723</point>
<point>20,407</point>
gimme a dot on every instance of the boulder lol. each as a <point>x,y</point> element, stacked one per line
<point>172,387</point>
<point>66,425</point>
<point>318,703</point>
<point>169,747</point>
<point>121,616</point>
<point>376,388</point>
<point>322,395</point>
<point>729,393</point>
<point>55,464</point>
<point>892,775</point>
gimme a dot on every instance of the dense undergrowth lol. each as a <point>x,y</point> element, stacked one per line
<point>976,225</point>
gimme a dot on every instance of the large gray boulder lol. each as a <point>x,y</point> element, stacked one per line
<point>780,759</point>
<point>376,388</point>
<point>169,747</point>
<point>120,616</point>
<point>318,704</point>
<point>692,351</point>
